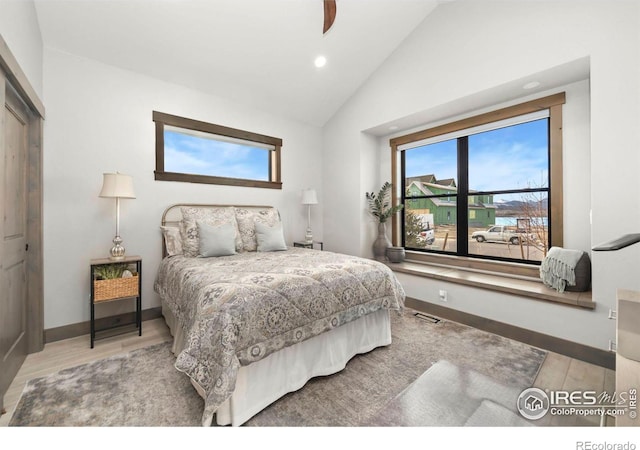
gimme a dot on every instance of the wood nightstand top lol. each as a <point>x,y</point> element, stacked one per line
<point>126,259</point>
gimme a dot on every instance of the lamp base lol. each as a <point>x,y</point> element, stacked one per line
<point>117,251</point>
<point>308,237</point>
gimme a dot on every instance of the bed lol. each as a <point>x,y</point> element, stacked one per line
<point>256,319</point>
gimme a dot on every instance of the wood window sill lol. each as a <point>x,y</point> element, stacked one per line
<point>522,286</point>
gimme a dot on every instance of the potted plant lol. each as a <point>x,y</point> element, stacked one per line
<point>380,206</point>
<point>111,271</point>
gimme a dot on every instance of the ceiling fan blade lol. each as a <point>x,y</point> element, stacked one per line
<point>329,14</point>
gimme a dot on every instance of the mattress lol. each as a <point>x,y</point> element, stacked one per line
<point>265,381</point>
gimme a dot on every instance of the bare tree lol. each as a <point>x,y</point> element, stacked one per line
<point>533,221</point>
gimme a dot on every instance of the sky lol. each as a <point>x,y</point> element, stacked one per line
<point>514,157</point>
<point>184,153</point>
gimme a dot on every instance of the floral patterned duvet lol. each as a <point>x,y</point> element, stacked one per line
<point>238,309</point>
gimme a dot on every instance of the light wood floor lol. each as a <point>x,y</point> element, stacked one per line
<point>557,373</point>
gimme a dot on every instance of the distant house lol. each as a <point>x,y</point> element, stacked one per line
<point>482,211</point>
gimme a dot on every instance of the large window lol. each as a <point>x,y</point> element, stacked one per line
<point>200,152</point>
<point>487,187</point>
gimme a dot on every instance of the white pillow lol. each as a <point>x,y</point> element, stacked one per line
<point>216,241</point>
<point>172,240</point>
<point>270,239</point>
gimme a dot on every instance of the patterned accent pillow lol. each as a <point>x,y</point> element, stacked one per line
<point>210,216</point>
<point>172,240</point>
<point>247,219</point>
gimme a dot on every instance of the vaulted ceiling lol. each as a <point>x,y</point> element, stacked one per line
<point>257,52</point>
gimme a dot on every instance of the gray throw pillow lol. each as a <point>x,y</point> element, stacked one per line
<point>583,275</point>
<point>270,239</point>
<point>216,241</point>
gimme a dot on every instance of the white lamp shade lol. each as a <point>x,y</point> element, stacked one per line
<point>117,185</point>
<point>309,197</point>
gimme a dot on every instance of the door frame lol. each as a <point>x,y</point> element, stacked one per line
<point>35,272</point>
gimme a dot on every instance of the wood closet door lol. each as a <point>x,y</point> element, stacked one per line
<point>13,232</point>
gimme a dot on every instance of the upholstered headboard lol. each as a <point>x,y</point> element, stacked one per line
<point>172,216</point>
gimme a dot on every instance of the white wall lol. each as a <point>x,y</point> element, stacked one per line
<point>467,48</point>
<point>99,119</point>
<point>20,29</point>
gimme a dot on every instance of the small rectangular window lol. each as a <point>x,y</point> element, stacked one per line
<point>199,152</point>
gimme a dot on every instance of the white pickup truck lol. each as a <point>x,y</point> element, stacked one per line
<point>500,233</point>
<point>428,235</point>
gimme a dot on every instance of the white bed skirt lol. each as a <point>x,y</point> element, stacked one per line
<point>263,382</point>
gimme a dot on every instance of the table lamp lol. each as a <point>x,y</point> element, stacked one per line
<point>117,185</point>
<point>309,198</point>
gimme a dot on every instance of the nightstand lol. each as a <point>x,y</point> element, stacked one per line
<point>304,244</point>
<point>114,289</point>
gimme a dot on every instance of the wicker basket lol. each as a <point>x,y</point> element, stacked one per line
<point>115,288</point>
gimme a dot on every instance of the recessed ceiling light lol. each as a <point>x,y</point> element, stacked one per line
<point>531,85</point>
<point>320,61</point>
<point>393,127</point>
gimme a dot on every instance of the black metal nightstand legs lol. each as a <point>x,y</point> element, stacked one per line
<point>130,291</point>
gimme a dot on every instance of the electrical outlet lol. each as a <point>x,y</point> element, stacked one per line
<point>443,295</point>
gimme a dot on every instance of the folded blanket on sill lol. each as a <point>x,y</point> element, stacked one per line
<point>558,268</point>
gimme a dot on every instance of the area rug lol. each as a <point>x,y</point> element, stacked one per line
<point>448,395</point>
<point>142,388</point>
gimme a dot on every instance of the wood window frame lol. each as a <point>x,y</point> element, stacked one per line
<point>552,102</point>
<point>162,119</point>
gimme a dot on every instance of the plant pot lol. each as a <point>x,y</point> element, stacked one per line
<point>381,243</point>
<point>395,254</point>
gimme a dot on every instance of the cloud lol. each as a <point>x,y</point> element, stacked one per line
<point>196,155</point>
<point>510,166</point>
<point>440,159</point>
<point>514,157</point>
